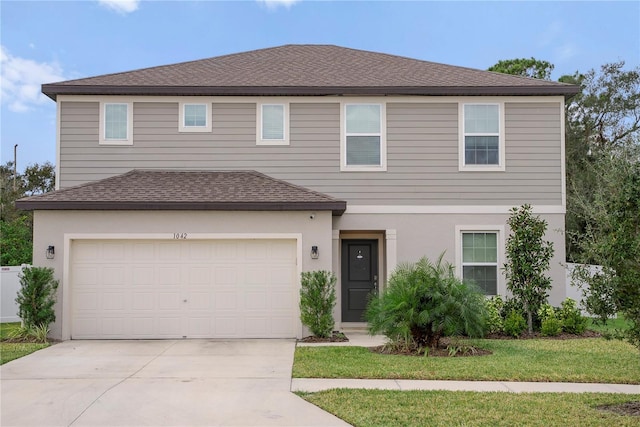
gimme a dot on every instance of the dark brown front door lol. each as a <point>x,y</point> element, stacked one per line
<point>359,277</point>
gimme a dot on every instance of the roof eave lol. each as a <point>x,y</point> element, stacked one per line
<point>53,90</point>
<point>337,207</point>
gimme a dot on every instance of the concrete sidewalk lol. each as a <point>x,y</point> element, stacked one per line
<point>319,384</point>
<point>360,338</point>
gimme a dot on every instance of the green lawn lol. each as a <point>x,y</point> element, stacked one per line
<point>576,360</point>
<point>10,351</point>
<point>447,408</point>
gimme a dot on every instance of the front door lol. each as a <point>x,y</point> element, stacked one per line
<point>359,277</point>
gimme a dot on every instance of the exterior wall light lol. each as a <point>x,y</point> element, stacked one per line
<point>314,252</point>
<point>51,252</point>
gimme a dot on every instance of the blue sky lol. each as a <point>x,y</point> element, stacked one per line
<point>47,41</point>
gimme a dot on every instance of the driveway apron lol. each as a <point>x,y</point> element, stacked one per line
<point>157,383</point>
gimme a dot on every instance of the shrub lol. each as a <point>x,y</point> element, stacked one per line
<point>495,324</point>
<point>424,302</point>
<point>546,311</point>
<point>551,326</point>
<point>36,297</point>
<point>317,299</point>
<point>514,324</point>
<point>33,334</point>
<point>573,322</point>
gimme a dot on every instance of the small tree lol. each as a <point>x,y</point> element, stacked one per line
<point>424,302</point>
<point>36,297</point>
<point>528,259</point>
<point>317,299</point>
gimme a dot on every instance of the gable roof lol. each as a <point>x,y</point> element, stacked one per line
<point>308,70</point>
<point>186,190</point>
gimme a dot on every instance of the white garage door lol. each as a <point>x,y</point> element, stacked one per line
<point>183,288</point>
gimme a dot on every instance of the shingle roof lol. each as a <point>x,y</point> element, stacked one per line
<point>185,190</point>
<point>308,70</point>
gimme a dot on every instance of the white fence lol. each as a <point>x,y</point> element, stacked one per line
<point>9,287</point>
<point>573,288</point>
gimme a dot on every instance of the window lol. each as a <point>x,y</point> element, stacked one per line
<point>480,260</point>
<point>481,141</point>
<point>364,145</point>
<point>194,118</point>
<point>273,121</point>
<point>116,123</point>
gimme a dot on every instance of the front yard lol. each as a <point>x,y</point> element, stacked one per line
<point>574,360</point>
<point>447,408</point>
<point>9,350</point>
<point>549,360</point>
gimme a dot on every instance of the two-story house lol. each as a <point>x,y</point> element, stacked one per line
<point>191,196</point>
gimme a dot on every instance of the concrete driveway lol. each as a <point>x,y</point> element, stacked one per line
<point>157,383</point>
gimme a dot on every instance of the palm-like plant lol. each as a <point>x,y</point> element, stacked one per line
<point>424,302</point>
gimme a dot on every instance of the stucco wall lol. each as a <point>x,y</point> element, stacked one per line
<point>50,228</point>
<point>429,235</point>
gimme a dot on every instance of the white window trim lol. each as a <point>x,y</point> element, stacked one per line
<point>500,167</point>
<point>259,139</point>
<point>129,139</point>
<point>500,230</point>
<point>205,128</point>
<point>382,167</point>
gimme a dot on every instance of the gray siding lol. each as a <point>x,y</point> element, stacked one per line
<point>422,150</point>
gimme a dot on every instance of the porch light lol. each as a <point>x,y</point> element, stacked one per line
<point>51,252</point>
<point>314,252</point>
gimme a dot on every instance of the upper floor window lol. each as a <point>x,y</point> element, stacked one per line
<point>364,143</point>
<point>273,123</point>
<point>194,118</point>
<point>116,123</point>
<point>482,139</point>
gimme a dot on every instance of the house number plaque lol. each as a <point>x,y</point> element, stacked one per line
<point>179,236</point>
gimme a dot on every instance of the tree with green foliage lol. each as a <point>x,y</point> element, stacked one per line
<point>424,302</point>
<point>16,227</point>
<point>528,258</point>
<point>317,299</point>
<point>612,237</point>
<point>603,117</point>
<point>526,67</point>
<point>36,297</point>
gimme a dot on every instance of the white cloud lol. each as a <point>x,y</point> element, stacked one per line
<point>20,81</point>
<point>121,6</point>
<point>272,4</point>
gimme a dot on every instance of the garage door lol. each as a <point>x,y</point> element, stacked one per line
<point>183,289</point>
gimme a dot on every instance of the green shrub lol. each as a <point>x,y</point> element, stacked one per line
<point>573,322</point>
<point>36,297</point>
<point>317,299</point>
<point>551,326</point>
<point>424,302</point>
<point>495,323</point>
<point>514,324</point>
<point>33,334</point>
<point>546,311</point>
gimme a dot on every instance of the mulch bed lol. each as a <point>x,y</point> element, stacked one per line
<point>538,335</point>
<point>335,337</point>
<point>463,350</point>
<point>629,408</point>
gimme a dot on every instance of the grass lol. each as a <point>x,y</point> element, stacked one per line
<point>11,351</point>
<point>447,408</point>
<point>576,360</point>
<point>611,326</point>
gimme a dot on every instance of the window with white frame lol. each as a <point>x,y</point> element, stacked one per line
<point>273,122</point>
<point>116,123</point>
<point>364,145</point>
<point>480,259</point>
<point>482,142</point>
<point>194,117</point>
